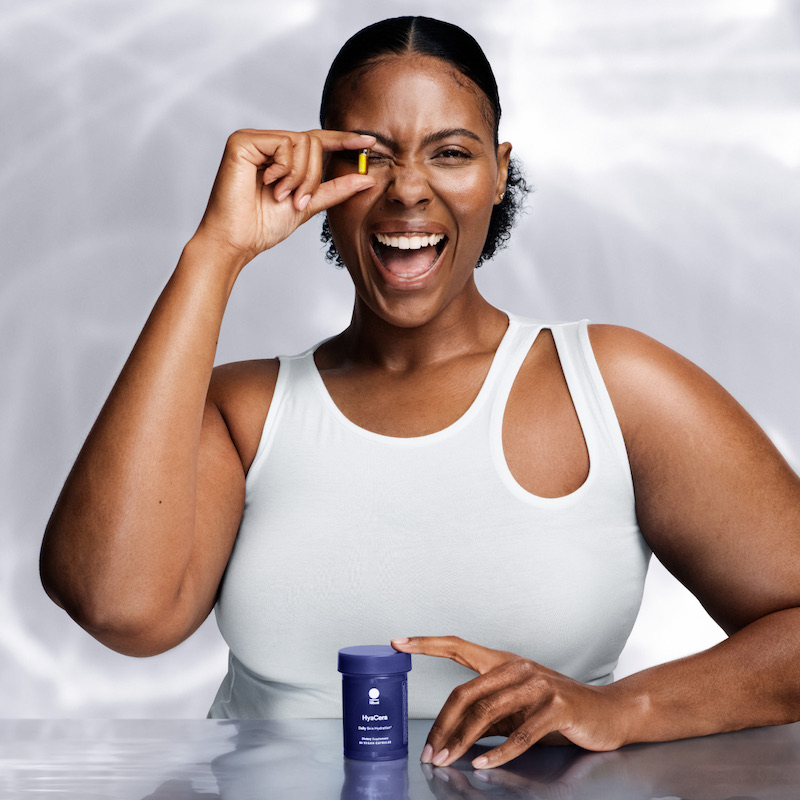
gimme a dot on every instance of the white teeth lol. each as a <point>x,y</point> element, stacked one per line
<point>413,242</point>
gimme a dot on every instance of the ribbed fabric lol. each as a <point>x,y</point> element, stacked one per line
<point>350,537</point>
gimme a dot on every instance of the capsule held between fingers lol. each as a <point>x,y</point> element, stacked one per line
<point>363,161</point>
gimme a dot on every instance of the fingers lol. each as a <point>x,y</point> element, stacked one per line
<point>288,173</point>
<point>468,654</point>
<point>473,708</point>
<point>520,740</point>
<point>512,700</point>
<point>337,190</point>
<point>294,162</point>
<point>313,174</point>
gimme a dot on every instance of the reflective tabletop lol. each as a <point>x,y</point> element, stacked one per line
<point>276,759</point>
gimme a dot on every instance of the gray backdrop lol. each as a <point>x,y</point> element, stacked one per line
<point>663,140</point>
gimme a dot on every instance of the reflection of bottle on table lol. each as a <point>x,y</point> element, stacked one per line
<point>375,780</point>
<point>374,702</point>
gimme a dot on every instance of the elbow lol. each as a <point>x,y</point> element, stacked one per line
<point>130,629</point>
<point>53,574</point>
<point>116,602</point>
<point>137,625</point>
<point>142,623</point>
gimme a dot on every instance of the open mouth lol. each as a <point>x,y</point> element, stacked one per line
<point>408,255</point>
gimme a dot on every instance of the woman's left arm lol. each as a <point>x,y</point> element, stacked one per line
<point>720,508</point>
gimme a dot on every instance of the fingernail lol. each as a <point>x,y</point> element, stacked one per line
<point>441,757</point>
<point>282,195</point>
<point>303,202</point>
<point>403,640</point>
<point>480,762</point>
<point>427,754</point>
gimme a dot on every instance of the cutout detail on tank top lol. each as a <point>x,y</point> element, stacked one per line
<point>579,451</point>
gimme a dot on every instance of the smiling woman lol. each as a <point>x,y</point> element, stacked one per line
<point>450,46</point>
<point>429,181</point>
<point>439,466</point>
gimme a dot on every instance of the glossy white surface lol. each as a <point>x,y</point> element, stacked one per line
<point>301,760</point>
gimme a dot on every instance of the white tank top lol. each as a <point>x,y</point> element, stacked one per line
<point>350,537</point>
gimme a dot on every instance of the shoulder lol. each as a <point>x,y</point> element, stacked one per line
<point>627,354</point>
<point>669,408</point>
<point>242,392</point>
<point>653,387</point>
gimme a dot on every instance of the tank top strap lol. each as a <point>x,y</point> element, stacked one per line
<point>589,394</point>
<point>292,371</point>
<point>519,339</point>
<point>507,359</point>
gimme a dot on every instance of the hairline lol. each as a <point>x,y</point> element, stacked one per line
<point>356,75</point>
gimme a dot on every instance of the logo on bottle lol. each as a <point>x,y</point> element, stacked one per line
<point>374,694</point>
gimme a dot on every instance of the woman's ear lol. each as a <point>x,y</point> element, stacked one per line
<point>503,156</point>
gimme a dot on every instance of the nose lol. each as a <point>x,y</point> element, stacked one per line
<point>408,185</point>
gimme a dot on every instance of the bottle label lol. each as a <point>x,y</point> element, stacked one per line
<point>375,716</point>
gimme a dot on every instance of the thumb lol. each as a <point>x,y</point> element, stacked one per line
<point>473,656</point>
<point>337,190</point>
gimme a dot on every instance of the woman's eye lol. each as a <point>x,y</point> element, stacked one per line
<point>452,154</point>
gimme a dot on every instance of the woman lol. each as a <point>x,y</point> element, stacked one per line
<point>439,465</point>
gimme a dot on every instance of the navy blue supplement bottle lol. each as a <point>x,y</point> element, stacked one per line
<point>374,702</point>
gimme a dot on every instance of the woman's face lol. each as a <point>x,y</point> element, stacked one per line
<point>411,242</point>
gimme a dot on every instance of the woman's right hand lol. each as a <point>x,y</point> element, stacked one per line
<point>270,182</point>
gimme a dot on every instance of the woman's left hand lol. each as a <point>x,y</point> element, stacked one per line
<point>514,697</point>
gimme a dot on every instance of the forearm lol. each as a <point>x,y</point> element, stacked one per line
<point>749,680</point>
<point>121,531</point>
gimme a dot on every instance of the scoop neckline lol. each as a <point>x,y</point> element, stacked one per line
<point>490,379</point>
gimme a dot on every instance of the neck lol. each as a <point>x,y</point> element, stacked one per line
<point>467,325</point>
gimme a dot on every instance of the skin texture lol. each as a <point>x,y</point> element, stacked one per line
<point>139,539</point>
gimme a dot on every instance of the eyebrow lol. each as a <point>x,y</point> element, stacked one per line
<point>430,139</point>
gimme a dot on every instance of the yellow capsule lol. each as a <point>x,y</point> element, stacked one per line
<point>363,161</point>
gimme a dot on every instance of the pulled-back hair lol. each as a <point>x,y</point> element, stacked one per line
<point>453,45</point>
<point>412,36</point>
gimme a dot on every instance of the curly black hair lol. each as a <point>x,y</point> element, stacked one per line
<point>448,42</point>
<point>504,216</point>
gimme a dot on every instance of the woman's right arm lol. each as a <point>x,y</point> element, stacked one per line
<point>140,536</point>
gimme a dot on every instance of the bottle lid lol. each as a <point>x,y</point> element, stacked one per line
<point>373,659</point>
